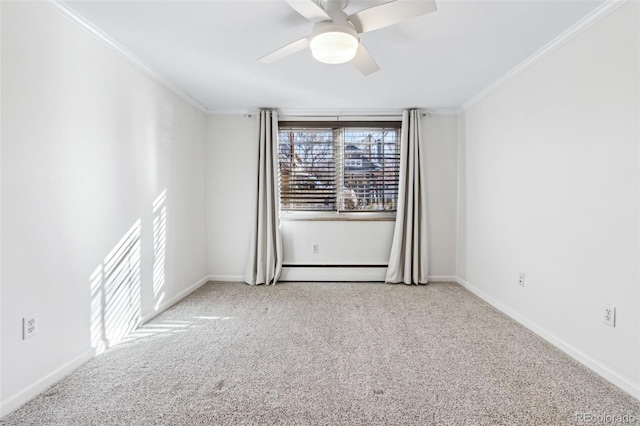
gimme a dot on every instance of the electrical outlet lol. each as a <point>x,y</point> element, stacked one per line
<point>29,326</point>
<point>521,280</point>
<point>609,315</point>
<point>314,248</point>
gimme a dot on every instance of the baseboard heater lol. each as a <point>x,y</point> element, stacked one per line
<point>332,272</point>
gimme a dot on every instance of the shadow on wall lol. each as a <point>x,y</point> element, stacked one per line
<point>159,247</point>
<point>116,285</point>
<point>115,292</point>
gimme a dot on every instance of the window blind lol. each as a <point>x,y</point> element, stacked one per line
<point>335,168</point>
<point>307,169</point>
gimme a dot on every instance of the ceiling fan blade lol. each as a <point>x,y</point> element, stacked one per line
<point>285,51</point>
<point>309,10</point>
<point>391,13</point>
<point>364,62</point>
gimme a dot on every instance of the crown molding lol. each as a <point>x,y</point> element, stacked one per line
<point>444,112</point>
<point>596,15</point>
<point>101,36</point>
<point>230,111</point>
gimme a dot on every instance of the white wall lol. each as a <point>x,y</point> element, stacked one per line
<point>89,144</point>
<point>232,158</point>
<point>231,179</point>
<point>552,190</point>
<point>441,139</point>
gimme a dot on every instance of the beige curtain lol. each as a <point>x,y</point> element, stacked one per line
<point>408,260</point>
<point>264,261</point>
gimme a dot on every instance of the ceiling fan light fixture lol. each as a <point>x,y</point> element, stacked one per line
<point>335,46</point>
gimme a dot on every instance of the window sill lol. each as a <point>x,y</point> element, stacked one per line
<point>334,216</point>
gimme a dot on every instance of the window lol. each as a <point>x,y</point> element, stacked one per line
<point>350,167</point>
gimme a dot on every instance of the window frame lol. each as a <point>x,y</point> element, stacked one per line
<point>338,215</point>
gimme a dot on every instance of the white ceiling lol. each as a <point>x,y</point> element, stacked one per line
<point>208,49</point>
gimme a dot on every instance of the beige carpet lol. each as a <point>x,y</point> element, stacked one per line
<point>330,353</point>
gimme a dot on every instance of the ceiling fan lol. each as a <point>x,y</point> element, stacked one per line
<point>334,39</point>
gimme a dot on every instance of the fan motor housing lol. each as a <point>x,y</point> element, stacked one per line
<point>332,27</point>
<point>329,4</point>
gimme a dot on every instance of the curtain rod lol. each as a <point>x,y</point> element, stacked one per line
<point>338,116</point>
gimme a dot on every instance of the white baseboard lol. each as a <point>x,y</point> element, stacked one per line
<point>574,353</point>
<point>333,274</point>
<point>25,395</point>
<point>377,274</point>
<point>443,278</point>
<point>226,278</point>
<point>175,299</point>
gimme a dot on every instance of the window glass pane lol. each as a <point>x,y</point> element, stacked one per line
<point>370,169</point>
<point>307,169</point>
